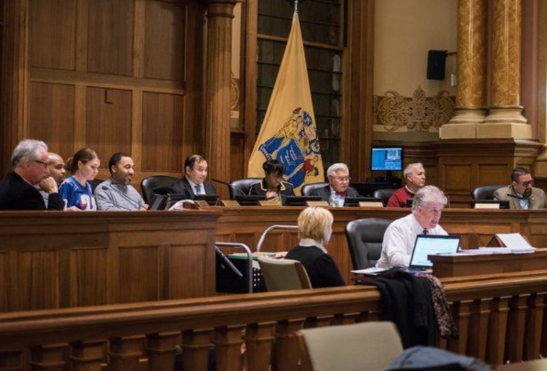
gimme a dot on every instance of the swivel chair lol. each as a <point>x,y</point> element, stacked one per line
<point>159,184</point>
<point>309,188</point>
<point>365,237</point>
<point>486,192</point>
<point>241,187</point>
<point>384,194</point>
<point>355,347</point>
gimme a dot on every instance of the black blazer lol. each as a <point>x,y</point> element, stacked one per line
<point>261,188</point>
<point>184,187</point>
<point>17,194</point>
<point>321,269</point>
<point>325,192</point>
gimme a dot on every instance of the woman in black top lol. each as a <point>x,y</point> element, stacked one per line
<point>314,231</point>
<point>272,185</point>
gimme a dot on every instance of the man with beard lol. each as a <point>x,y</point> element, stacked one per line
<point>57,171</point>
<point>521,194</point>
<point>401,235</point>
<point>117,193</point>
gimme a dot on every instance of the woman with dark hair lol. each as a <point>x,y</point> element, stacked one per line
<point>76,190</point>
<point>272,186</point>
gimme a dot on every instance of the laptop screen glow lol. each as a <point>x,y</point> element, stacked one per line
<point>432,245</point>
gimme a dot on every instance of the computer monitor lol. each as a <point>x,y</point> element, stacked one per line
<point>212,200</point>
<point>354,201</point>
<point>299,200</point>
<point>386,158</point>
<point>249,200</point>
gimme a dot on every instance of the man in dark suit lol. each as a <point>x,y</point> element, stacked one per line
<point>30,162</point>
<point>338,188</point>
<point>521,194</point>
<point>193,182</point>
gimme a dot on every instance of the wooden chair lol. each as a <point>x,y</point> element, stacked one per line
<point>368,346</point>
<point>284,274</point>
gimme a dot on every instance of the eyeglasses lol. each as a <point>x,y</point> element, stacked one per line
<point>342,178</point>
<point>42,163</point>
<point>527,184</point>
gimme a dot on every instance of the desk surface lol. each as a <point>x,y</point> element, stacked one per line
<point>537,365</point>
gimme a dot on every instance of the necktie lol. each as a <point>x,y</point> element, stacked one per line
<point>198,189</point>
<point>425,231</point>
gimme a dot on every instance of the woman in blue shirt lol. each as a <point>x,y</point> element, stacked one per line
<point>76,190</point>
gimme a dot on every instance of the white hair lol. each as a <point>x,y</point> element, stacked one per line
<point>334,168</point>
<point>409,169</point>
<point>428,194</point>
<point>28,149</point>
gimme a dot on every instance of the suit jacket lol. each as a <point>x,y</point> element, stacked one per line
<point>260,188</point>
<point>325,192</point>
<point>321,269</point>
<point>536,201</point>
<point>184,187</point>
<point>17,194</point>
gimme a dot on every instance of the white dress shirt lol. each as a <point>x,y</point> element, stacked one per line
<point>399,241</point>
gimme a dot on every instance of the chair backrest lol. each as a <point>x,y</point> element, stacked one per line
<point>283,274</point>
<point>242,186</point>
<point>486,192</point>
<point>355,347</point>
<point>159,184</point>
<point>307,189</point>
<point>384,194</point>
<point>94,183</point>
<point>365,237</point>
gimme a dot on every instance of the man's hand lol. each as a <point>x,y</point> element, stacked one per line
<point>144,207</point>
<point>49,185</point>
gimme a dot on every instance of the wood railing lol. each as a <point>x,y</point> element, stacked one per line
<point>499,318</point>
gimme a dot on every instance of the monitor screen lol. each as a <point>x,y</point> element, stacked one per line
<point>387,159</point>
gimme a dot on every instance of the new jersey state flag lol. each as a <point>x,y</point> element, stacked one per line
<point>289,132</point>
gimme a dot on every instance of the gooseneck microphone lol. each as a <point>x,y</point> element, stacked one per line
<point>516,196</point>
<point>106,188</point>
<point>229,186</point>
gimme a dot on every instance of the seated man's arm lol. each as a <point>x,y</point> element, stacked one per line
<point>393,201</point>
<point>498,196</point>
<point>395,247</point>
<point>104,201</point>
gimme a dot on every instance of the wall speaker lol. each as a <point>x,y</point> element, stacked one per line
<point>436,62</point>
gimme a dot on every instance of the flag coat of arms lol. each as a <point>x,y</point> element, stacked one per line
<point>289,132</point>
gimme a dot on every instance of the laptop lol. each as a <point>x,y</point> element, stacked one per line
<point>431,245</point>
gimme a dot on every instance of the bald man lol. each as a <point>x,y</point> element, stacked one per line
<point>57,171</point>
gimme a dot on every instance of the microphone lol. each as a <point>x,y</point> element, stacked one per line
<point>516,196</point>
<point>105,188</point>
<point>229,185</point>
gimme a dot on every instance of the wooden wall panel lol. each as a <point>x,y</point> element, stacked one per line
<point>162,132</point>
<point>108,121</point>
<point>52,34</point>
<point>52,116</point>
<point>138,274</point>
<point>457,177</point>
<point>88,277</point>
<point>38,280</point>
<point>183,258</point>
<point>110,42</point>
<point>163,45</point>
<point>3,280</point>
<point>488,172</point>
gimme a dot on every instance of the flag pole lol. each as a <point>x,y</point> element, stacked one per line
<point>295,6</point>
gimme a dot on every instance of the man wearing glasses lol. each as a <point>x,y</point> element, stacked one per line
<point>521,194</point>
<point>30,162</point>
<point>338,188</point>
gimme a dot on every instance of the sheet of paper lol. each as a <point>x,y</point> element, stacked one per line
<point>373,271</point>
<point>513,240</point>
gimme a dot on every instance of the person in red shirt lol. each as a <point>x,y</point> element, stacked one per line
<point>415,179</point>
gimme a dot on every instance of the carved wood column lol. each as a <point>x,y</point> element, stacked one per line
<point>471,66</point>
<point>217,97</point>
<point>505,119</point>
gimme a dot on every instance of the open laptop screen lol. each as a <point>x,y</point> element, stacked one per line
<point>432,245</point>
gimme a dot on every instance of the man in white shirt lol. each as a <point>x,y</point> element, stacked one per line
<point>401,235</point>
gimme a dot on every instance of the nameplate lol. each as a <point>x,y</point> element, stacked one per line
<point>269,203</point>
<point>229,203</point>
<point>371,204</point>
<point>317,203</point>
<point>479,205</point>
<point>201,204</point>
